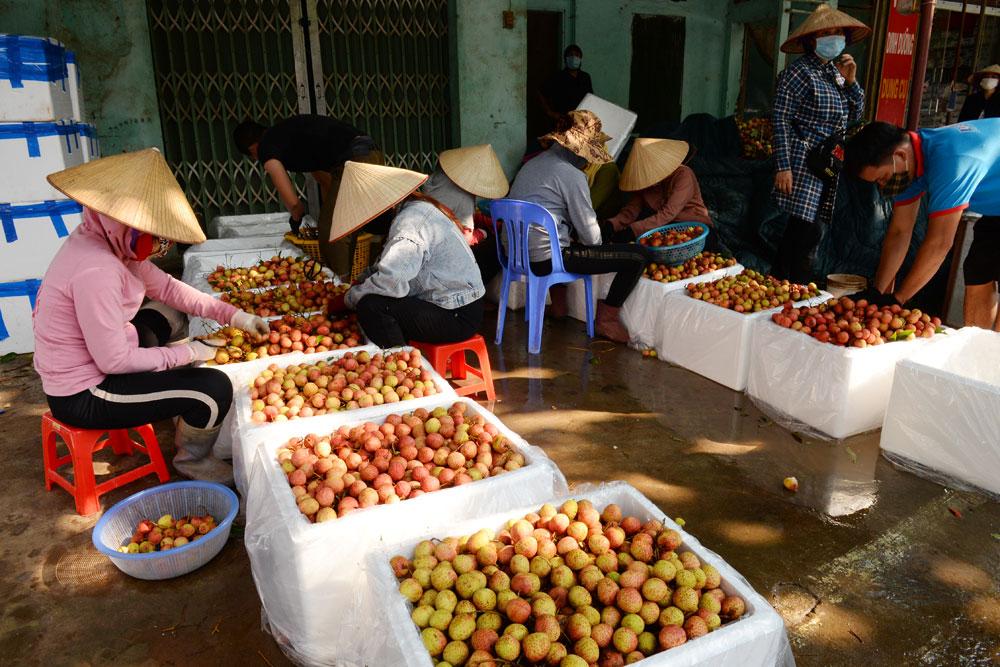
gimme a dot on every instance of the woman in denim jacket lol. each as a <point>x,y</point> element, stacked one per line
<point>426,284</point>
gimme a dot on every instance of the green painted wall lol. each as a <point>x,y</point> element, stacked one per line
<point>489,83</point>
<point>111,41</point>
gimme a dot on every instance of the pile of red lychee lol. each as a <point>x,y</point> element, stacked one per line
<point>674,236</point>
<point>858,323</point>
<point>751,292</point>
<point>568,586</point>
<point>353,381</point>
<point>167,533</point>
<point>289,334</point>
<point>700,264</point>
<point>303,297</point>
<point>406,456</point>
<point>267,273</point>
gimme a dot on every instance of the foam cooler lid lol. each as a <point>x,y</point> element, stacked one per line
<point>31,59</point>
<point>616,121</point>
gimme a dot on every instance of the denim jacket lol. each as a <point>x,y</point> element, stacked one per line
<point>425,256</point>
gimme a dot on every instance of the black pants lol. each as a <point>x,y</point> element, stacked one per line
<point>201,396</point>
<point>392,322</point>
<point>625,260</point>
<point>981,266</point>
<point>797,251</point>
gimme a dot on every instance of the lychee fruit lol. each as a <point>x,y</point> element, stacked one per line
<point>483,639</point>
<point>535,647</point>
<point>712,577</point>
<point>411,590</point>
<point>686,599</point>
<point>602,633</point>
<point>587,649</point>
<point>507,648</point>
<point>518,610</point>
<point>733,607</point>
<point>578,627</point>
<point>711,620</point>
<point>549,625</point>
<point>695,627</point>
<point>434,641</point>
<point>462,627</point>
<point>455,653</point>
<point>671,636</point>
<point>629,600</point>
<point>690,560</point>
<point>709,603</point>
<point>625,640</point>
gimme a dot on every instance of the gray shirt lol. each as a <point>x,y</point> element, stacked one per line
<point>425,256</point>
<point>554,180</point>
<point>461,203</point>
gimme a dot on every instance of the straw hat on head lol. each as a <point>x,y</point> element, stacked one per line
<point>476,170</point>
<point>137,189</point>
<point>651,161</point>
<point>825,17</point>
<point>366,192</point>
<point>992,70</point>
<point>583,138</point>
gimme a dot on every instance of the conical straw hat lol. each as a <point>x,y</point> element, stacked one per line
<point>137,189</point>
<point>367,191</point>
<point>651,161</point>
<point>992,69</point>
<point>476,170</point>
<point>825,17</point>
<point>583,137</point>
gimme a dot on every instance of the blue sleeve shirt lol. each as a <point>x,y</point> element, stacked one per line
<point>958,166</point>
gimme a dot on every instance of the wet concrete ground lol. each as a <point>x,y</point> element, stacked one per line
<point>867,564</point>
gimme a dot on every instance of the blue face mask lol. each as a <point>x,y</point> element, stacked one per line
<point>573,62</point>
<point>830,46</point>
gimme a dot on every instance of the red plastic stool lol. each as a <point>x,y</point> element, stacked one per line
<point>445,355</point>
<point>82,444</point>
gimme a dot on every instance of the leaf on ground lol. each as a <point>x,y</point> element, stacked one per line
<point>955,512</point>
<point>798,438</point>
<point>10,356</point>
<point>854,457</point>
<point>856,636</point>
<point>995,536</point>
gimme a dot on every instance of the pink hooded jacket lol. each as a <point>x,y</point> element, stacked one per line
<point>91,291</point>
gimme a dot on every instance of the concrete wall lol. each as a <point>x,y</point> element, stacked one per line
<point>111,41</point>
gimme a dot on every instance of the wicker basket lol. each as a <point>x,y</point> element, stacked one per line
<point>362,251</point>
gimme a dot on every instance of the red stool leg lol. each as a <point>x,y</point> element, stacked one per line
<point>148,437</point>
<point>82,449</point>
<point>48,453</point>
<point>485,371</point>
<point>121,443</point>
<point>458,365</point>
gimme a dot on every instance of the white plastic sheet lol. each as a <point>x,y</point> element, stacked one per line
<point>710,340</point>
<point>757,638</point>
<point>312,578</point>
<point>646,305</point>
<point>943,419</point>
<point>222,246</point>
<point>220,225</point>
<point>822,389</point>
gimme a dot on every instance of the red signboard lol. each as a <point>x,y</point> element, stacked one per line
<point>897,61</point>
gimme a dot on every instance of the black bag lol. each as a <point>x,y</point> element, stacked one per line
<point>826,159</point>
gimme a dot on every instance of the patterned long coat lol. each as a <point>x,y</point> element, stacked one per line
<point>811,103</point>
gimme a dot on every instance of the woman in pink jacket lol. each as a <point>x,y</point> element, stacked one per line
<point>96,369</point>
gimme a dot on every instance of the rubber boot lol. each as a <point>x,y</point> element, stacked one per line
<point>194,457</point>
<point>558,309</point>
<point>608,325</point>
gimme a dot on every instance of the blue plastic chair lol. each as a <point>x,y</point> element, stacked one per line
<point>517,218</point>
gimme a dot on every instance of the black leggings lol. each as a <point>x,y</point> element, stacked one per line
<point>202,396</point>
<point>390,322</point>
<point>797,251</point>
<point>625,260</point>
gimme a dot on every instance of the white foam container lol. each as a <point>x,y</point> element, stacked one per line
<point>247,436</point>
<point>31,100</point>
<point>229,226</point>
<point>710,340</point>
<point>616,121</point>
<point>943,418</point>
<point>644,307</point>
<point>576,295</point>
<point>31,151</point>
<point>820,388</point>
<point>16,305</point>
<point>32,234</point>
<point>757,638</point>
<point>312,578</point>
<point>75,90</point>
<point>89,142</point>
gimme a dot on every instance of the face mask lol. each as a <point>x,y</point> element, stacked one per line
<point>899,181</point>
<point>146,246</point>
<point>830,46</point>
<point>988,83</point>
<point>573,62</point>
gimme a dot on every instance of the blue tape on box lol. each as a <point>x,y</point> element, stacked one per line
<point>53,210</point>
<point>31,132</point>
<point>31,59</point>
<point>28,288</point>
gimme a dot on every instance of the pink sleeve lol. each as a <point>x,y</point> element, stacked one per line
<point>97,299</point>
<point>166,289</point>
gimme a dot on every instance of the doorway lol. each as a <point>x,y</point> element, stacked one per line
<point>544,60</point>
<point>657,72</point>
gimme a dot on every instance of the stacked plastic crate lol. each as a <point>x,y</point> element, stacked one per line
<point>41,131</point>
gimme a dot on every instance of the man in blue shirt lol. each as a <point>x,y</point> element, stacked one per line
<point>958,168</point>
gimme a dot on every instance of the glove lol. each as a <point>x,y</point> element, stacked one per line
<point>337,304</point>
<point>294,224</point>
<point>201,352</point>
<point>251,323</point>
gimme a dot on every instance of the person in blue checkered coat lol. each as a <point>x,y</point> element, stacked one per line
<point>817,95</point>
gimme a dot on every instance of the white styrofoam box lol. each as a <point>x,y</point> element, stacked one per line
<point>196,271</point>
<point>88,141</point>
<point>756,638</point>
<point>576,295</point>
<point>644,307</point>
<point>75,92</point>
<point>34,80</point>
<point>246,435</point>
<point>17,301</point>
<point>275,223</point>
<point>32,234</point>
<point>264,244</point>
<point>515,295</point>
<point>710,340</point>
<point>832,391</point>
<point>31,151</point>
<point>312,578</point>
<point>943,419</point>
<point>616,121</point>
